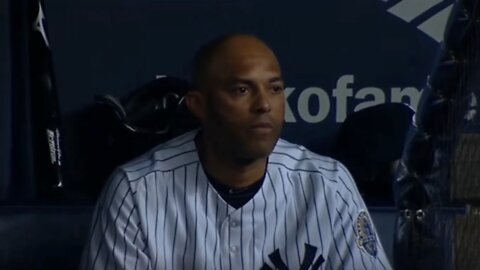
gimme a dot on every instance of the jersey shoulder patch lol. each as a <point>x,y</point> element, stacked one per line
<point>366,237</point>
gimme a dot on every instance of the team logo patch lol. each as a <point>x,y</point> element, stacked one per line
<point>366,238</point>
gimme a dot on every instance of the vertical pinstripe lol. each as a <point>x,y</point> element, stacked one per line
<point>206,226</point>
<point>106,225</point>
<point>216,234</point>
<point>352,222</point>
<point>285,214</point>
<point>297,224</point>
<point>176,221</point>
<point>317,214</point>
<point>276,209</point>
<point>349,191</point>
<point>331,265</point>
<point>345,236</point>
<point>125,239</point>
<point>347,204</point>
<point>331,225</point>
<point>136,259</point>
<point>253,234</point>
<point>170,217</point>
<point>115,223</point>
<point>306,207</point>
<point>229,241</point>
<point>137,249</point>
<point>146,210</point>
<point>381,263</point>
<point>278,203</point>
<point>241,238</point>
<point>156,223</point>
<point>264,221</point>
<point>185,186</point>
<point>196,217</point>
<point>164,229</point>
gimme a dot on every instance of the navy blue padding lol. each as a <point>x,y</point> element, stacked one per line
<point>43,237</point>
<point>384,220</point>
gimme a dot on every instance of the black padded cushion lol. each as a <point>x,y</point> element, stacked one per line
<point>43,237</point>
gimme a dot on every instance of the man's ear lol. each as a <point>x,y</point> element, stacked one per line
<point>195,101</point>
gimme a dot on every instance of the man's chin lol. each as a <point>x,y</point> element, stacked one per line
<point>259,150</point>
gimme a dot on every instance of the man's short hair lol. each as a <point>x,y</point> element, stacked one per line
<point>203,58</point>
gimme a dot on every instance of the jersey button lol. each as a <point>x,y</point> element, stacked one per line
<point>234,223</point>
<point>233,248</point>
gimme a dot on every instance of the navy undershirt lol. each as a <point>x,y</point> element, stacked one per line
<point>236,197</point>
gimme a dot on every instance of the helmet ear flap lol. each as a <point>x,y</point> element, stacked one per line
<point>152,111</point>
<point>156,108</point>
<point>113,104</point>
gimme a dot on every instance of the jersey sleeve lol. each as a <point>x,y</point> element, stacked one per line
<point>357,245</point>
<point>115,240</point>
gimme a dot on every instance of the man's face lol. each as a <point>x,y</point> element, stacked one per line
<point>245,101</point>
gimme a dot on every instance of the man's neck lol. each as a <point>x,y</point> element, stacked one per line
<point>228,170</point>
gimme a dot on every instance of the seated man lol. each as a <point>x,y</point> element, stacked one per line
<point>232,195</point>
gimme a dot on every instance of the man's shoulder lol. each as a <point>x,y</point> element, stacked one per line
<point>177,152</point>
<point>299,155</point>
<point>297,158</point>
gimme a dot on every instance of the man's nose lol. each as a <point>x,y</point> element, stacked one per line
<point>262,101</point>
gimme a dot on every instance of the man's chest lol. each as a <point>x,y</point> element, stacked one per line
<point>214,236</point>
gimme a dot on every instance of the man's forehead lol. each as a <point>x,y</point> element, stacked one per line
<point>242,41</point>
<point>243,46</point>
<point>243,57</point>
<point>241,54</point>
<point>246,67</point>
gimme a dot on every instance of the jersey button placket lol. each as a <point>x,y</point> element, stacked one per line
<point>226,249</point>
<point>233,249</point>
<point>233,230</point>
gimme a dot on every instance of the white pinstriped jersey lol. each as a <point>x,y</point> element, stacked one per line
<point>160,212</point>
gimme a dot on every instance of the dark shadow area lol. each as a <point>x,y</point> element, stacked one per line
<point>370,144</point>
<point>35,237</point>
<point>115,130</point>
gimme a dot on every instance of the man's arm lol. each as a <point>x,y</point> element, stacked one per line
<point>116,240</point>
<point>357,245</point>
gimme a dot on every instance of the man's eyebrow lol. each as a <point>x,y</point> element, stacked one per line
<point>240,80</point>
<point>275,79</point>
<point>248,81</point>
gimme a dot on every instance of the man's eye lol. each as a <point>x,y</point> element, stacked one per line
<point>241,89</point>
<point>278,88</point>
